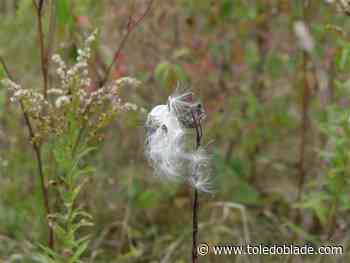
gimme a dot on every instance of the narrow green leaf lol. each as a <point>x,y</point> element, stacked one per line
<point>81,249</point>
<point>226,9</point>
<point>167,74</point>
<point>343,59</point>
<point>64,16</point>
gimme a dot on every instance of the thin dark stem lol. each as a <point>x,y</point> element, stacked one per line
<point>131,25</point>
<point>40,7</point>
<point>43,52</point>
<point>44,71</point>
<point>37,151</point>
<point>195,204</point>
<point>304,124</point>
<point>50,37</point>
<point>44,189</point>
<point>332,221</point>
<point>259,83</point>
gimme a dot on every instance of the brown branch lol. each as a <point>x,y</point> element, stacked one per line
<point>35,4</point>
<point>303,131</point>
<point>306,93</point>
<point>40,7</point>
<point>37,151</point>
<point>51,37</point>
<point>43,51</point>
<point>259,84</point>
<point>130,27</point>
<point>44,54</point>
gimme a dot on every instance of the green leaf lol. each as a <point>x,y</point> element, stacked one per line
<point>64,16</point>
<point>82,214</point>
<point>303,233</point>
<point>246,194</point>
<point>2,101</point>
<point>84,171</point>
<point>182,53</point>
<point>60,232</point>
<point>336,180</point>
<point>61,157</point>
<point>74,171</point>
<point>226,9</point>
<point>344,58</point>
<point>317,202</point>
<point>275,65</point>
<point>81,249</point>
<point>49,253</point>
<point>2,72</point>
<point>85,152</point>
<point>167,74</point>
<point>147,199</point>
<point>2,90</point>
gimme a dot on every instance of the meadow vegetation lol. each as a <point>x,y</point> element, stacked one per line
<point>78,80</point>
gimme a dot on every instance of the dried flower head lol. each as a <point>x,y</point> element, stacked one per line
<point>343,6</point>
<point>91,106</point>
<point>127,82</point>
<point>306,42</point>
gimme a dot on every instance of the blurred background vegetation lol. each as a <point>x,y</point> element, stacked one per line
<point>277,127</point>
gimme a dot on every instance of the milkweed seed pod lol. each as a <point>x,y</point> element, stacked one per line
<point>188,111</point>
<point>166,141</point>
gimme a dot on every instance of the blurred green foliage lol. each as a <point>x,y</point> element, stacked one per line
<point>243,58</point>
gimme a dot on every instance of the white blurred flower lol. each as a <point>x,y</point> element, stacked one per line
<point>342,5</point>
<point>61,101</point>
<point>130,106</point>
<point>127,82</point>
<point>55,92</point>
<point>304,37</point>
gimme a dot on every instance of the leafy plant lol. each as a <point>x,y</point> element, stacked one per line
<point>67,122</point>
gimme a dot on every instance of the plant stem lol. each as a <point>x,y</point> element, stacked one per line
<point>43,52</point>
<point>44,190</point>
<point>50,38</point>
<point>304,125</point>
<point>44,70</point>
<point>306,93</point>
<point>131,25</point>
<point>37,151</point>
<point>195,204</point>
<point>258,87</point>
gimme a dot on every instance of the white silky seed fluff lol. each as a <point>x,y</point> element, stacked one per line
<point>166,147</point>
